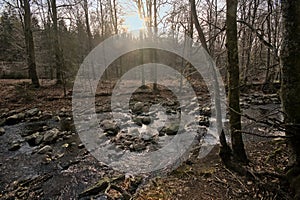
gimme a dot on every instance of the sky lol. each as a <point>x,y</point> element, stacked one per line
<point>133,22</point>
<point>131,16</point>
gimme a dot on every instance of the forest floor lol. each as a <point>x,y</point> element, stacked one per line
<point>42,157</point>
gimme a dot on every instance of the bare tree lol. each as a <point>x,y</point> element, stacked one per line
<point>29,43</point>
<point>234,81</point>
<point>197,25</point>
<point>87,24</point>
<point>57,50</point>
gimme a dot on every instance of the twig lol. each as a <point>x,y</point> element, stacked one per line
<point>263,136</point>
<point>279,125</point>
<point>237,179</point>
<point>261,37</point>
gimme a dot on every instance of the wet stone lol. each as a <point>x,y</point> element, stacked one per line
<point>2,131</point>
<point>51,135</point>
<point>171,129</point>
<point>161,134</point>
<point>15,146</point>
<point>147,137</point>
<point>138,147</point>
<point>205,111</point>
<point>66,124</point>
<point>33,127</point>
<point>66,137</point>
<point>31,139</point>
<point>110,127</point>
<point>32,112</point>
<point>203,121</point>
<point>66,145</point>
<point>138,108</point>
<point>138,120</point>
<point>170,111</point>
<point>133,132</point>
<point>146,120</point>
<point>39,139</point>
<point>46,160</point>
<point>14,119</point>
<point>45,149</point>
<point>2,122</point>
<point>46,116</point>
<point>56,118</point>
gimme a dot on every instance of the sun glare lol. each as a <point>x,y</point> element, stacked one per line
<point>133,22</point>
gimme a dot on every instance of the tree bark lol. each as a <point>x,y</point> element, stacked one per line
<point>30,44</point>
<point>234,82</point>
<point>290,90</point>
<point>87,24</point>
<point>197,25</point>
<point>57,50</point>
<point>155,51</point>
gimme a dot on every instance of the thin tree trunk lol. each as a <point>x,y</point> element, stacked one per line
<point>234,82</point>
<point>87,24</point>
<point>197,25</point>
<point>141,58</point>
<point>155,51</point>
<point>115,17</point>
<point>101,17</point>
<point>88,31</point>
<point>30,44</point>
<point>57,50</point>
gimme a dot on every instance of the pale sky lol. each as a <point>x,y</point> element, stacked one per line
<point>133,22</point>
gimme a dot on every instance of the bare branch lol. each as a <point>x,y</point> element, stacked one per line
<point>263,136</point>
<point>260,37</point>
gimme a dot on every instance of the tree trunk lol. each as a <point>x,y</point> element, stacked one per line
<point>234,82</point>
<point>197,25</point>
<point>57,50</point>
<point>115,17</point>
<point>141,59</point>
<point>155,51</point>
<point>291,86</point>
<point>87,24</point>
<point>88,31</point>
<point>30,44</point>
